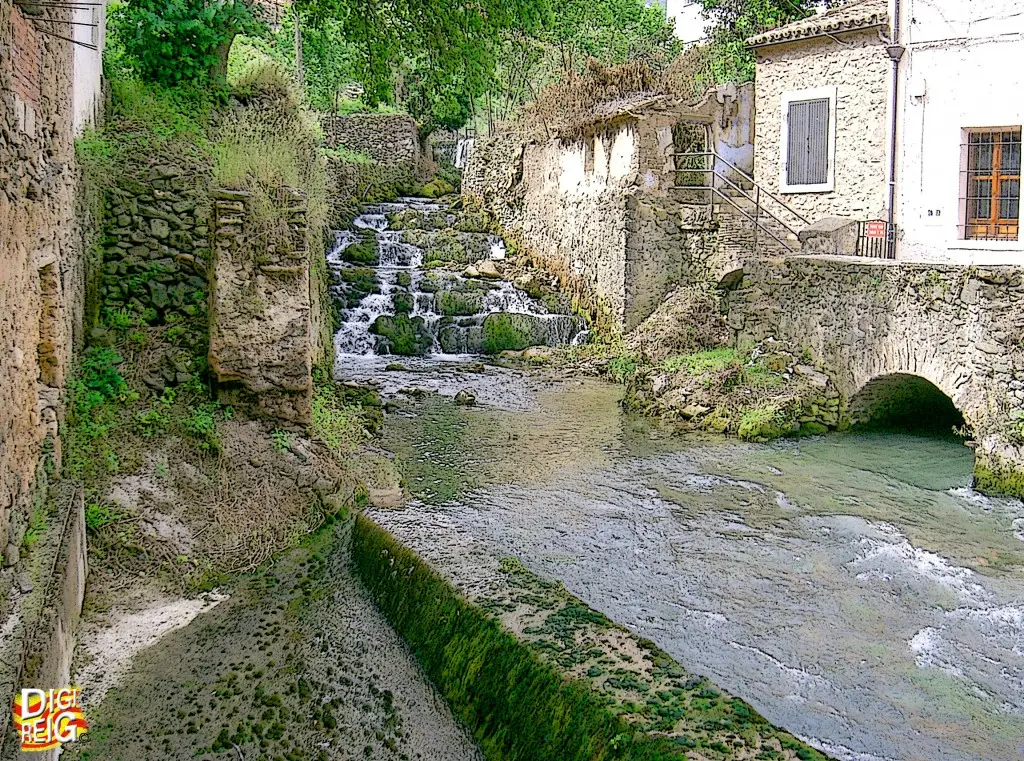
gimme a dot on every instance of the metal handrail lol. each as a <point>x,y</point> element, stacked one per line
<point>728,163</point>
<point>759,207</point>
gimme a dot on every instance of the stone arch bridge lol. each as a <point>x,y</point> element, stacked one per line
<point>886,331</point>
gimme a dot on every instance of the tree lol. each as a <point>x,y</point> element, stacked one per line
<point>175,41</point>
<point>734,21</point>
<point>445,40</point>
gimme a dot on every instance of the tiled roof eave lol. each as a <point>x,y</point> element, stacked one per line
<point>825,28</point>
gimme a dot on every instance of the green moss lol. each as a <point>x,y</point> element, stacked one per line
<point>703,362</point>
<point>764,423</point>
<point>364,252</point>
<point>503,333</point>
<point>359,283</point>
<point>438,187</point>
<point>402,335</point>
<point>454,304</point>
<point>998,480</point>
<point>519,708</point>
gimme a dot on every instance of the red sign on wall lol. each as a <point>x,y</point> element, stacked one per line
<point>875,229</point>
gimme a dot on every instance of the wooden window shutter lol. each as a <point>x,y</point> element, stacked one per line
<point>807,157</point>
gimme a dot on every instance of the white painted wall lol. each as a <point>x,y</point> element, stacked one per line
<point>87,88</point>
<point>962,69</point>
<point>688,17</point>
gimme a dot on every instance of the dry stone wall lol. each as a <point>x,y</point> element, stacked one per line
<point>958,328</point>
<point>391,140</point>
<point>261,340</point>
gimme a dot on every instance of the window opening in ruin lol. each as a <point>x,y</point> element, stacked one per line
<point>589,148</point>
<point>991,184</point>
<point>690,143</point>
<point>49,286</point>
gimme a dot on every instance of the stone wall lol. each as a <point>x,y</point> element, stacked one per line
<point>956,327</point>
<point>261,340</point>
<point>600,211</point>
<point>859,70</point>
<point>42,258</point>
<point>389,139</point>
<point>37,648</point>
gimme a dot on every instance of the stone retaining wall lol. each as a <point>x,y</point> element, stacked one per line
<point>38,645</point>
<point>156,228</point>
<point>389,139</point>
<point>861,320</point>
<point>261,341</point>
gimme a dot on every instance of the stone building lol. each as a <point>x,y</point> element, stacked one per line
<point>600,206</point>
<point>822,140</point>
<point>50,86</point>
<point>827,95</point>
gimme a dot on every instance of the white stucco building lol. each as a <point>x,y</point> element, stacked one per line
<point>87,89</point>
<point>961,106</point>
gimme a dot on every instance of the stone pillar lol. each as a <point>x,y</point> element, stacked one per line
<point>261,342</point>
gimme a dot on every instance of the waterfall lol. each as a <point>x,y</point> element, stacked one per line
<point>433,304</point>
<point>462,151</point>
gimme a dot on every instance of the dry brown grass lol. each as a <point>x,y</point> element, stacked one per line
<point>599,92</point>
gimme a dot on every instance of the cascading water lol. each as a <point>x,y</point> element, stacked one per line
<point>447,306</point>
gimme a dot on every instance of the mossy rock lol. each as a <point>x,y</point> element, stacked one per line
<point>503,332</point>
<point>438,187</point>
<point>402,300</point>
<point>445,247</point>
<point>363,252</point>
<point>359,282</point>
<point>455,304</point>
<point>473,222</point>
<point>402,335</point>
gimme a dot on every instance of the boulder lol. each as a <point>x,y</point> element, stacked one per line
<point>466,397</point>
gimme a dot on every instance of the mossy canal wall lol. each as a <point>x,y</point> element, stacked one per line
<point>526,699</point>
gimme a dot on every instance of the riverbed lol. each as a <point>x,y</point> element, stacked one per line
<point>851,587</point>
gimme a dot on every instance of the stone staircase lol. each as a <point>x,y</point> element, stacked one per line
<point>736,214</point>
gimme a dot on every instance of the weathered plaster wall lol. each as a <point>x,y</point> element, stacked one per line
<point>42,257</point>
<point>88,64</point>
<point>955,75</point>
<point>600,209</point>
<point>860,70</point>
<point>389,139</point>
<point>261,339</point>
<point>956,327</point>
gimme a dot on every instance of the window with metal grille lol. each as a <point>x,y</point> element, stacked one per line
<point>991,200</point>
<point>807,144</point>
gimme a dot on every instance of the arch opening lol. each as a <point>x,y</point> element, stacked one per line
<point>903,402</point>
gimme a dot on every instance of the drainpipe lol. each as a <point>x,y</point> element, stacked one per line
<point>895,51</point>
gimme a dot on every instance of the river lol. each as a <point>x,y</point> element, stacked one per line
<point>852,587</point>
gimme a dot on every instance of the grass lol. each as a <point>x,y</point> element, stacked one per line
<point>704,362</point>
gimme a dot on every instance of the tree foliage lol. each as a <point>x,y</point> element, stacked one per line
<point>733,21</point>
<point>174,41</point>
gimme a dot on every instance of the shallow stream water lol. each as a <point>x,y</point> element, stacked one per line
<point>851,587</point>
